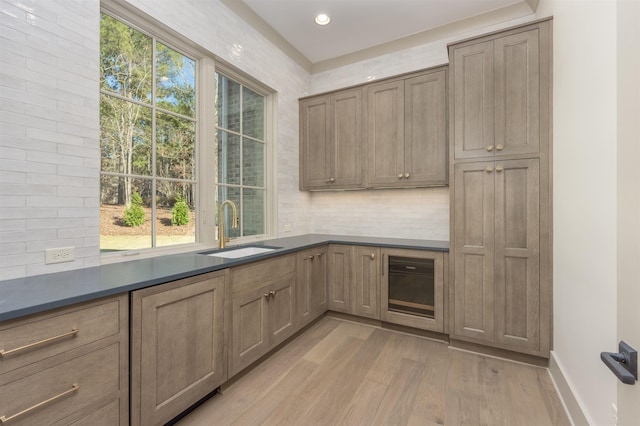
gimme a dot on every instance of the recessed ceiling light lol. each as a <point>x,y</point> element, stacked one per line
<point>322,19</point>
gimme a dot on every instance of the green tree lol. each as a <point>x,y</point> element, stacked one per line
<point>134,214</point>
<point>180,212</point>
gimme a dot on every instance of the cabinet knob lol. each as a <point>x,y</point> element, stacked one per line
<point>499,147</point>
<point>319,254</point>
<point>400,175</point>
<point>489,169</point>
<point>499,168</point>
<point>332,180</point>
<point>310,257</point>
<point>489,148</point>
<point>266,295</point>
<point>272,293</point>
<point>406,175</point>
<point>372,256</point>
<point>327,180</point>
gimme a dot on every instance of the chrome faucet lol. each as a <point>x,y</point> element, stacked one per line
<point>222,240</point>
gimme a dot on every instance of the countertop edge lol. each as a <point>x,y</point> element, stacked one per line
<point>31,295</point>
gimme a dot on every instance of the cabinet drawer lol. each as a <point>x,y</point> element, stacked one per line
<point>54,393</point>
<point>26,341</point>
<point>253,276</point>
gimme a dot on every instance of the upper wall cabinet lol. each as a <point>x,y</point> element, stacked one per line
<point>406,126</point>
<point>500,93</point>
<point>330,141</point>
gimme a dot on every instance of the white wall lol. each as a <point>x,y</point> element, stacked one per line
<point>49,148</point>
<point>584,185</point>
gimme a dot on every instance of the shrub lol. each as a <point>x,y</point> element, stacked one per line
<point>134,214</point>
<point>180,212</point>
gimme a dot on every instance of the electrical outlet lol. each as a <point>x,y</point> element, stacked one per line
<point>58,255</point>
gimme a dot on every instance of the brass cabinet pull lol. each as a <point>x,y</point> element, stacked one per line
<point>499,168</point>
<point>406,175</point>
<point>372,255</point>
<point>4,420</point>
<point>332,180</point>
<point>489,148</point>
<point>400,176</point>
<point>266,295</point>
<point>327,180</point>
<point>499,147</point>
<point>310,257</point>
<point>272,293</point>
<point>73,332</point>
<point>319,254</point>
<point>489,169</point>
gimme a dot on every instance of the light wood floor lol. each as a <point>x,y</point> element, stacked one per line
<point>344,373</point>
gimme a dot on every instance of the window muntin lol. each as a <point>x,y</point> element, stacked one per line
<point>240,154</point>
<point>148,138</point>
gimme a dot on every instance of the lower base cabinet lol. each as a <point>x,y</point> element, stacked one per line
<point>177,346</point>
<point>311,286</point>
<point>67,367</point>
<point>354,280</point>
<point>263,309</point>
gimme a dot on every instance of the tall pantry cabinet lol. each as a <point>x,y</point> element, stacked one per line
<point>500,151</point>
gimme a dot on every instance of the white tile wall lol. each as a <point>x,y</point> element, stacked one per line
<point>49,127</point>
<point>49,157</point>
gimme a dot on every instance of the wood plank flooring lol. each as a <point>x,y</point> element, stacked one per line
<point>343,373</point>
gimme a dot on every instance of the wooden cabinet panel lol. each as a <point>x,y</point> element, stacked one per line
<point>250,330</point>
<point>263,309</point>
<point>517,93</point>
<point>59,366</point>
<point>474,250</point>
<point>499,85</point>
<point>311,286</point>
<point>407,131</point>
<point>339,280</point>
<point>331,141</point>
<point>68,387</point>
<point>282,309</point>
<point>497,252</point>
<point>425,148</point>
<point>177,352</point>
<point>385,133</point>
<point>315,133</point>
<point>472,98</point>
<point>517,252</point>
<point>367,282</point>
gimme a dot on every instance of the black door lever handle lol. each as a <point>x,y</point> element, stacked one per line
<point>623,364</point>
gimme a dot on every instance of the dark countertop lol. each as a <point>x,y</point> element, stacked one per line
<point>24,296</point>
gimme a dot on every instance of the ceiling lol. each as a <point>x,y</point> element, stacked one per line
<point>357,25</point>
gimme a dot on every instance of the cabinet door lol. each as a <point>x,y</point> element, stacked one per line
<point>473,241</point>
<point>177,346</point>
<point>315,140</point>
<point>282,309</point>
<point>250,331</point>
<point>473,100</point>
<point>319,294</point>
<point>345,163</point>
<point>385,137</point>
<point>425,154</point>
<point>517,93</point>
<point>367,282</point>
<point>340,278</point>
<point>304,286</point>
<point>517,252</point>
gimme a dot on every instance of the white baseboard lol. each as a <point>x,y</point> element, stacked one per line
<point>571,404</point>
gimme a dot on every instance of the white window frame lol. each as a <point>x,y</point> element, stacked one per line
<point>206,237</point>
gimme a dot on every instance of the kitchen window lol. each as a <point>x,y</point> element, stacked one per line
<point>177,138</point>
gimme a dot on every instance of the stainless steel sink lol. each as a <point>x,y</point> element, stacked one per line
<point>241,252</point>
